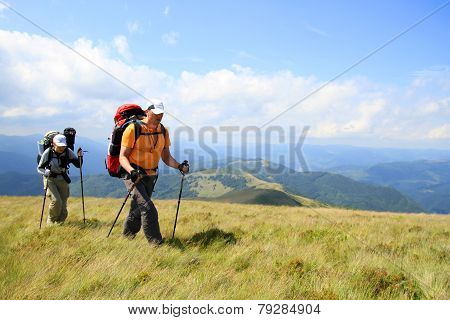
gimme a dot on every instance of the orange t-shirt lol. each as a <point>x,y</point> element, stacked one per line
<point>147,149</point>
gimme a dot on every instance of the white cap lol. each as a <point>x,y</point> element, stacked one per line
<point>60,140</point>
<point>156,106</point>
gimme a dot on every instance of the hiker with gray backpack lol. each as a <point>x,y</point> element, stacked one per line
<point>55,155</point>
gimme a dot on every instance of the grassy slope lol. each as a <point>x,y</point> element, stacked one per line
<point>258,196</point>
<point>214,189</point>
<point>224,251</point>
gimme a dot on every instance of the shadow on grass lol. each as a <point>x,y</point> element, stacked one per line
<point>206,238</point>
<point>90,224</point>
<point>203,239</point>
<point>176,243</point>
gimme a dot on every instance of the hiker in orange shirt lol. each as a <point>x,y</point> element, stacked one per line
<point>140,157</point>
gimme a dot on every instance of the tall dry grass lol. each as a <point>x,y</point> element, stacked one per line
<point>224,251</point>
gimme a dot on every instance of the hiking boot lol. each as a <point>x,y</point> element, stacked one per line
<point>156,242</point>
<point>129,235</point>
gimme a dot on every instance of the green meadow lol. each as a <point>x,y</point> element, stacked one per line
<point>224,251</point>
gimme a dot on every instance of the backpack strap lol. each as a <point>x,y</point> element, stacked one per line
<point>63,159</point>
<point>137,130</point>
<point>45,165</point>
<point>163,131</point>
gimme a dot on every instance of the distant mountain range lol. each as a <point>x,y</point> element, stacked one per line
<point>333,189</point>
<point>232,183</point>
<point>343,176</point>
<point>18,153</point>
<point>427,182</point>
<point>326,157</point>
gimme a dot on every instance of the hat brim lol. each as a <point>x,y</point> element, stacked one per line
<point>60,144</point>
<point>157,111</point>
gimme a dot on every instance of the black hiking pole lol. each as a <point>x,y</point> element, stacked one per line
<point>43,203</point>
<point>123,205</point>
<point>80,159</point>
<point>179,198</point>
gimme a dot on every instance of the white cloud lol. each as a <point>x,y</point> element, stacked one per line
<point>436,106</point>
<point>120,43</point>
<point>50,84</point>
<point>134,27</point>
<point>44,83</point>
<point>436,76</point>
<point>3,7</point>
<point>14,112</point>
<point>326,129</point>
<point>365,113</point>
<point>442,132</point>
<point>170,38</point>
<point>27,110</point>
<point>166,10</point>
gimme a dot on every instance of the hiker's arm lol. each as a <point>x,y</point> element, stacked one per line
<point>168,159</point>
<point>73,158</point>
<point>123,158</point>
<point>165,154</point>
<point>41,166</point>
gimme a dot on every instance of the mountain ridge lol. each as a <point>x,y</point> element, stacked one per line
<point>310,189</point>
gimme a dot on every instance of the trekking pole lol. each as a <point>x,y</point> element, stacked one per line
<point>123,205</point>
<point>80,159</point>
<point>43,203</point>
<point>178,206</point>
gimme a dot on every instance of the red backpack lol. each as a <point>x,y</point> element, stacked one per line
<point>126,114</point>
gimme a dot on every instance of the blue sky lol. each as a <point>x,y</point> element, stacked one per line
<point>263,42</point>
<point>307,37</point>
